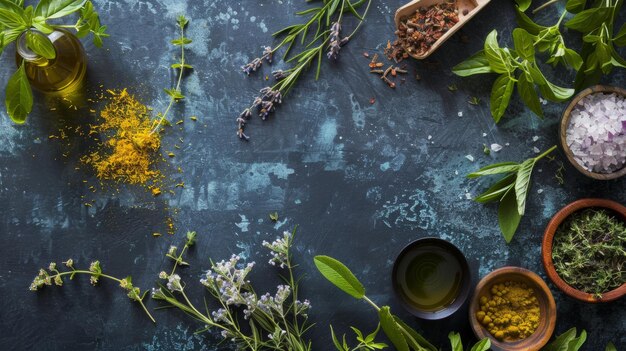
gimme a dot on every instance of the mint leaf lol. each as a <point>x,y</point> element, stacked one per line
<point>508,215</point>
<point>58,8</point>
<point>19,96</point>
<point>338,274</point>
<point>41,45</point>
<point>476,64</point>
<point>501,95</point>
<point>497,191</point>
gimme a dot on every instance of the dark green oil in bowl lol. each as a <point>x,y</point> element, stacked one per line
<point>431,277</point>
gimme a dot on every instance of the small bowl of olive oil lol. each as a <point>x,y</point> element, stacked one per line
<point>431,278</point>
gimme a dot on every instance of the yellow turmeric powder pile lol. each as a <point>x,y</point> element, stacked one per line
<point>131,148</point>
<point>511,313</point>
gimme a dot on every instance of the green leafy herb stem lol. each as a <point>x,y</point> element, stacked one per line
<point>510,191</point>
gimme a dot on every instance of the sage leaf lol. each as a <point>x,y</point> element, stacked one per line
<point>588,20</point>
<point>525,22</point>
<point>455,341</point>
<point>482,345</point>
<point>508,215</point>
<point>414,339</point>
<point>610,347</point>
<point>500,96</point>
<point>476,64</point>
<point>524,45</point>
<point>496,168</point>
<point>528,94</point>
<point>19,96</point>
<point>522,183</point>
<point>575,6</point>
<point>523,5</point>
<point>495,55</point>
<point>497,190</point>
<point>338,274</point>
<point>41,45</point>
<point>391,329</point>
<point>620,38</point>
<point>12,20</point>
<point>58,8</point>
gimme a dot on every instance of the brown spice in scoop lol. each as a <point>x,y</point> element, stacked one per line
<point>417,33</point>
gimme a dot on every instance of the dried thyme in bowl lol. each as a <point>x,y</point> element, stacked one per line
<point>589,251</point>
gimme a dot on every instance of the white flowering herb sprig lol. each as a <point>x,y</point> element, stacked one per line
<point>55,276</point>
<point>274,321</point>
<point>173,254</point>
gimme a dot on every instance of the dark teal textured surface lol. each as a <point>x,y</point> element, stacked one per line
<point>360,180</point>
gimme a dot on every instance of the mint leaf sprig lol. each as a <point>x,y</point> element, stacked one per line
<point>16,19</point>
<point>511,190</point>
<point>54,276</point>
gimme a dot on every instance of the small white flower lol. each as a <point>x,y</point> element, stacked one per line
<point>173,283</point>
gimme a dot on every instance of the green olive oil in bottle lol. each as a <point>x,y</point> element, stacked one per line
<point>62,75</point>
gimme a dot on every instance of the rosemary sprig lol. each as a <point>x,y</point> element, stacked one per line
<point>327,37</point>
<point>176,93</point>
<point>54,276</point>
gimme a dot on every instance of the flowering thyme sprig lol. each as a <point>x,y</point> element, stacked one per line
<point>278,321</point>
<point>327,37</point>
<point>53,275</point>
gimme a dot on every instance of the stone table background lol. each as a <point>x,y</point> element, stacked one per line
<point>360,180</point>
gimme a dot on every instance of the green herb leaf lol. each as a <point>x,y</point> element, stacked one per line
<point>175,94</point>
<point>588,20</point>
<point>525,22</point>
<point>523,5</point>
<point>524,45</point>
<point>19,96</point>
<point>12,20</point>
<point>620,38</point>
<point>370,337</point>
<point>555,93</point>
<point>455,341</point>
<point>508,215</point>
<point>338,274</point>
<point>58,8</point>
<point>610,347</point>
<point>41,45</point>
<point>335,341</point>
<point>482,345</point>
<point>501,95</point>
<point>567,341</point>
<point>274,216</point>
<point>497,190</point>
<point>40,24</point>
<point>575,6</point>
<point>495,55</point>
<point>528,94</point>
<point>573,59</point>
<point>477,64</point>
<point>392,330</point>
<point>413,338</point>
<point>496,168</point>
<point>522,183</point>
<point>181,41</point>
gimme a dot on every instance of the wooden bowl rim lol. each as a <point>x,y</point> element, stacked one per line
<point>540,286</point>
<point>565,118</point>
<point>546,249</point>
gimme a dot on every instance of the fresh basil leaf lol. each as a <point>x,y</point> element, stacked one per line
<point>524,45</point>
<point>495,55</point>
<point>500,96</point>
<point>525,22</point>
<point>476,64</point>
<point>573,59</point>
<point>577,343</point>
<point>496,168</point>
<point>40,24</point>
<point>617,60</point>
<point>482,345</point>
<point>575,6</point>
<point>11,6</point>
<point>522,184</point>
<point>603,54</point>
<point>41,45</point>
<point>58,8</point>
<point>413,337</point>
<point>528,94</point>
<point>554,92</point>
<point>610,347</point>
<point>620,38</point>
<point>497,191</point>
<point>561,341</point>
<point>391,329</point>
<point>19,96</point>
<point>12,20</point>
<point>508,216</point>
<point>340,275</point>
<point>588,20</point>
<point>455,341</point>
<point>523,5</point>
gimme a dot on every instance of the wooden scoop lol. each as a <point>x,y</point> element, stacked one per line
<point>471,6</point>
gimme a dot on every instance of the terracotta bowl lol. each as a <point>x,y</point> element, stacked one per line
<point>567,114</point>
<point>547,309</point>
<point>546,249</point>
<point>467,10</point>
